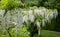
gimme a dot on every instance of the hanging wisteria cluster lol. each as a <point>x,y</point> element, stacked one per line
<point>16,18</point>
<point>37,14</point>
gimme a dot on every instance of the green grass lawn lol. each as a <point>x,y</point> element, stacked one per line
<point>46,33</point>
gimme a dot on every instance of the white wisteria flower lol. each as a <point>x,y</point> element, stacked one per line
<point>25,19</point>
<point>2,12</point>
<point>38,24</point>
<point>36,11</point>
<point>47,18</point>
<point>51,15</point>
<point>41,13</point>
<point>14,23</point>
<point>30,12</point>
<point>43,22</point>
<point>31,18</point>
<point>55,13</point>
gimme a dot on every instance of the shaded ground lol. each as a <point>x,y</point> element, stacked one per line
<point>46,33</point>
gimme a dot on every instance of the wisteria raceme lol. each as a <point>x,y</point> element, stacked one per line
<point>47,14</point>
<point>2,12</point>
<point>25,19</point>
<point>36,11</point>
<point>30,12</point>
<point>43,22</point>
<point>38,24</point>
<point>31,18</point>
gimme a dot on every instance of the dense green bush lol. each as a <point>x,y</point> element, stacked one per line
<point>10,4</point>
<point>16,32</point>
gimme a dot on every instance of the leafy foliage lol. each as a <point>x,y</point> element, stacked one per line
<point>21,32</point>
<point>29,3</point>
<point>10,4</point>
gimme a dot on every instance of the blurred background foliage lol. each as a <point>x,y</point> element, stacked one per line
<point>29,3</point>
